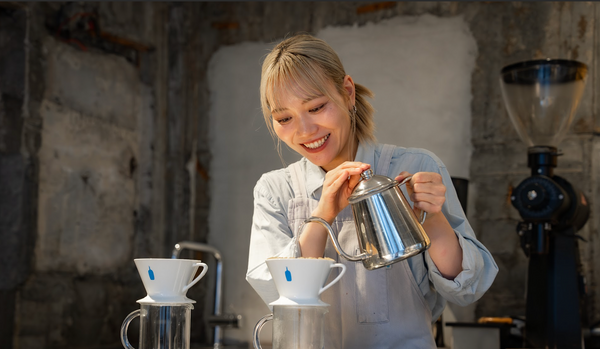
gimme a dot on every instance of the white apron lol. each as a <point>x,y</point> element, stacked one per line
<point>381,308</point>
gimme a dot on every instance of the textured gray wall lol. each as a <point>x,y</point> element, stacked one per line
<point>96,130</point>
<point>74,286</point>
<point>17,181</point>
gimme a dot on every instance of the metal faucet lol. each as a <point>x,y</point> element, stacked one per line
<point>218,319</point>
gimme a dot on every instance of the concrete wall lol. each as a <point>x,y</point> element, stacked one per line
<point>97,135</point>
<point>17,180</point>
<point>95,125</point>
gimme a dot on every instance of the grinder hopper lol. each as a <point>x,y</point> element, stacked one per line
<point>541,97</point>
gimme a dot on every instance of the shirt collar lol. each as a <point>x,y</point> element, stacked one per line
<point>315,175</point>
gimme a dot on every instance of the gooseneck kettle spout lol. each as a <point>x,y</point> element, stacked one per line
<point>336,244</point>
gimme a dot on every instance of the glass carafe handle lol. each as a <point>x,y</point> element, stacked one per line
<point>423,214</point>
<point>125,325</point>
<point>257,329</point>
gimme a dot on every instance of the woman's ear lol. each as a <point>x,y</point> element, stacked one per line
<point>350,89</point>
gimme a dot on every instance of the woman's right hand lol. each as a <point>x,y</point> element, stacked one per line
<point>337,188</point>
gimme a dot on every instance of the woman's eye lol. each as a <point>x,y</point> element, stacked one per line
<point>283,120</point>
<point>317,108</point>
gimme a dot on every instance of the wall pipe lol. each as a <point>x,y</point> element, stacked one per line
<point>196,246</point>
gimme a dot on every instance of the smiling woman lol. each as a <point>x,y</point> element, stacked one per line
<point>313,106</point>
<point>318,127</point>
<point>312,76</point>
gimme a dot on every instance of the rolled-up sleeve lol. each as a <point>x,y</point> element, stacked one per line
<point>270,237</point>
<point>479,267</point>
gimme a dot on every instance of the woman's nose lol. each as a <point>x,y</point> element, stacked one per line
<point>306,126</point>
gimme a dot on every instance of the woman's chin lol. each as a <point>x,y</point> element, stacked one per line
<point>316,159</point>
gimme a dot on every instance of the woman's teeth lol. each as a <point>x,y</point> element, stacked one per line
<point>316,144</point>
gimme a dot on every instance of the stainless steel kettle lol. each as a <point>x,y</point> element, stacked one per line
<point>388,230</point>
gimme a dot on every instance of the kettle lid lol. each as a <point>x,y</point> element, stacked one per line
<point>369,185</point>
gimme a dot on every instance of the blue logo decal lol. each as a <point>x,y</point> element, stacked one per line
<point>288,274</point>
<point>150,273</point>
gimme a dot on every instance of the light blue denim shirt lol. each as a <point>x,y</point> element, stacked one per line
<point>271,235</point>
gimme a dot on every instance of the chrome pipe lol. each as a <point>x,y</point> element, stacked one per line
<point>200,247</point>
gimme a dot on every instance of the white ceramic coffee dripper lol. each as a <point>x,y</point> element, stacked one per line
<point>299,314</point>
<point>167,280</point>
<point>300,281</point>
<point>165,313</point>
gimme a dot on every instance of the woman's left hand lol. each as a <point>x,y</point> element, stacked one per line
<point>428,193</point>
<point>426,190</point>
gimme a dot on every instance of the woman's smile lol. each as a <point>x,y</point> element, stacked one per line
<point>317,145</point>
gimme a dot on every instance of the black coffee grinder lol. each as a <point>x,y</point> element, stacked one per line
<point>541,97</point>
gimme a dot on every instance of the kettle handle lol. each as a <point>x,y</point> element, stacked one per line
<point>336,244</point>
<point>423,214</point>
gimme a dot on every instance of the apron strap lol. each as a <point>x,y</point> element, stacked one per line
<point>374,309</point>
<point>383,165</point>
<point>297,177</point>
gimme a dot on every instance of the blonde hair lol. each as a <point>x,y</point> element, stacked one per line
<point>305,66</point>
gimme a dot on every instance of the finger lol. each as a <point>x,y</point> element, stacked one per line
<point>427,199</point>
<point>426,177</point>
<point>354,164</point>
<point>338,180</point>
<point>352,170</point>
<point>427,207</point>
<point>430,188</point>
<point>432,199</point>
<point>402,175</point>
<point>353,181</point>
<point>332,177</point>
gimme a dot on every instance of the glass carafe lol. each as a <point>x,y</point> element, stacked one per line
<point>162,326</point>
<point>295,327</point>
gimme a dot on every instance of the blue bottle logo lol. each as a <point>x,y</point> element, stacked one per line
<point>288,274</point>
<point>150,273</point>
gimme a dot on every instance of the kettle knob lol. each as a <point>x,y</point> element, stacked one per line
<point>367,174</point>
